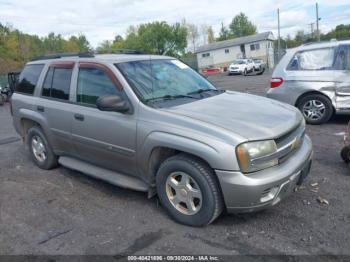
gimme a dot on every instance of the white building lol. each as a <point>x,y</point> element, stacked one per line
<point>222,54</point>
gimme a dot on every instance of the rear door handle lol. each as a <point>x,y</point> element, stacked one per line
<point>79,117</point>
<point>40,108</point>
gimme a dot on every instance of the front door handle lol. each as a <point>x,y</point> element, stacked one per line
<point>40,108</point>
<point>79,117</point>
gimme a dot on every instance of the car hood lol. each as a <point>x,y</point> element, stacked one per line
<point>249,116</point>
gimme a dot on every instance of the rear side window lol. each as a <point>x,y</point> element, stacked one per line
<point>317,59</point>
<point>29,78</point>
<point>342,59</point>
<point>92,84</point>
<point>57,83</point>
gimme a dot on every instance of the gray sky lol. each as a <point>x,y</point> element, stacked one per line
<point>102,20</point>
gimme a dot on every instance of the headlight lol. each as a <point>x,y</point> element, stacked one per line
<point>254,156</point>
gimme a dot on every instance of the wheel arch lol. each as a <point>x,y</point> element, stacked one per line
<point>160,153</point>
<point>314,92</point>
<point>160,146</point>
<point>26,124</point>
<point>30,118</point>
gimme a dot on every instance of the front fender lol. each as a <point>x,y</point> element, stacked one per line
<point>217,154</point>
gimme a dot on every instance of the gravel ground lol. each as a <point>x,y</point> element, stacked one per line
<point>64,212</point>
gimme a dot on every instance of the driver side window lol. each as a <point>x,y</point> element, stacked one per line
<point>92,84</point>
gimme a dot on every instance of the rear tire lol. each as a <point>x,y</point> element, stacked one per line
<point>197,202</point>
<point>40,150</point>
<point>261,72</point>
<point>316,109</point>
<point>245,72</point>
<point>2,100</point>
<point>345,154</point>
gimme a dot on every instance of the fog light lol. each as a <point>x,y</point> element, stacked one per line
<point>269,194</point>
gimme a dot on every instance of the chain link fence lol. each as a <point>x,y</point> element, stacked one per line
<point>279,56</point>
<point>191,62</point>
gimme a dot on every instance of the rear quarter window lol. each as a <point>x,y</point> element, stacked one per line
<point>28,78</point>
<point>316,59</point>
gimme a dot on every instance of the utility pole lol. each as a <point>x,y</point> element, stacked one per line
<point>317,23</point>
<point>312,30</point>
<point>279,36</point>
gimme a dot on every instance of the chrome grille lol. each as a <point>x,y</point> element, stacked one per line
<point>286,146</point>
<point>290,142</point>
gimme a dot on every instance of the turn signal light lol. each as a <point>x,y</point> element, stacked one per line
<point>276,82</point>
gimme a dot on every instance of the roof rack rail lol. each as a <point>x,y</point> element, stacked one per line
<point>316,42</point>
<point>61,55</point>
<point>125,51</point>
<point>327,41</point>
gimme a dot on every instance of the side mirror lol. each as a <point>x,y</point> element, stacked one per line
<point>112,103</point>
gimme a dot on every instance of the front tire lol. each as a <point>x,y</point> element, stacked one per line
<point>2,99</point>
<point>188,190</point>
<point>316,109</point>
<point>40,150</point>
<point>345,154</point>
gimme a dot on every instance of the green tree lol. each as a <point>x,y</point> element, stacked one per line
<point>157,38</point>
<point>224,33</point>
<point>16,47</point>
<point>241,26</point>
<point>340,32</point>
<point>299,38</point>
<point>83,43</point>
<point>105,47</point>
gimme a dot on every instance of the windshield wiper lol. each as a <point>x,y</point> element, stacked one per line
<point>169,97</point>
<point>200,91</point>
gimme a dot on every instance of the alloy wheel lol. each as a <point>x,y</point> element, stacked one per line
<point>38,148</point>
<point>314,110</point>
<point>184,193</point>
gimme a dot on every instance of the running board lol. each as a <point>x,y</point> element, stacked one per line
<point>109,176</point>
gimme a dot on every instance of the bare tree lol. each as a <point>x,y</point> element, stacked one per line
<point>192,35</point>
<point>211,37</point>
<point>204,34</point>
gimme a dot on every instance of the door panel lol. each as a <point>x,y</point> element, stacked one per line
<point>107,139</point>
<point>54,104</point>
<point>342,77</point>
<point>59,120</point>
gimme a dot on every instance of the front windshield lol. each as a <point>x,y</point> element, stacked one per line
<point>239,62</point>
<point>156,79</point>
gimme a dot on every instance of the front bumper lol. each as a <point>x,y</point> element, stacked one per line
<point>235,71</point>
<point>259,190</point>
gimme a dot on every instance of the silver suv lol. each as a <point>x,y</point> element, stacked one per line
<point>316,79</point>
<point>151,123</point>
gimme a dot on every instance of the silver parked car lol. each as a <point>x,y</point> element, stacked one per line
<point>316,79</point>
<point>151,123</point>
<point>259,65</point>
